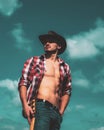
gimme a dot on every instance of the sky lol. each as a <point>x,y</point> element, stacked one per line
<point>81,22</point>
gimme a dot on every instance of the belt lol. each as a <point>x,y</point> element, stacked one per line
<point>48,104</point>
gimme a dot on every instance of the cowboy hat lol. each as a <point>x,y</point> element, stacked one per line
<point>54,37</point>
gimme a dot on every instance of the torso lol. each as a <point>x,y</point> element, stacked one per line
<point>49,86</point>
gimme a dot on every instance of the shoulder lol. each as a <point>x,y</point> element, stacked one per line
<point>35,59</point>
<point>31,59</point>
<point>64,64</point>
<point>41,57</point>
<point>38,58</point>
<point>66,67</point>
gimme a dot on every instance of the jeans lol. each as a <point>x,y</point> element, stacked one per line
<point>46,117</point>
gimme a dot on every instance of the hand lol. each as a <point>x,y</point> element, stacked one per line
<point>28,112</point>
<point>61,113</point>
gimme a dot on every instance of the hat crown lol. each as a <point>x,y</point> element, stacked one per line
<point>57,36</point>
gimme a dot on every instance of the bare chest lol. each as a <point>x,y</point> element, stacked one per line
<point>52,69</point>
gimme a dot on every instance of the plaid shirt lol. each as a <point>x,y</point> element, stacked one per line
<point>33,73</point>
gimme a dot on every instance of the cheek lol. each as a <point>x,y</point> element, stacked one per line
<point>55,47</point>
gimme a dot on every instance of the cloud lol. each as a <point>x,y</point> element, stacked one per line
<point>25,128</point>
<point>87,44</point>
<point>80,107</point>
<point>99,84</point>
<point>101,128</point>
<point>10,108</point>
<point>95,85</point>
<point>80,80</point>
<point>7,7</point>
<point>86,114</point>
<point>22,42</point>
<point>12,86</point>
<point>8,127</point>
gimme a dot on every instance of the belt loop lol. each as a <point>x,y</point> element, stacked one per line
<point>44,100</point>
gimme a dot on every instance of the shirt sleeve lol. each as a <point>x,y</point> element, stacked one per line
<point>67,84</point>
<point>25,77</point>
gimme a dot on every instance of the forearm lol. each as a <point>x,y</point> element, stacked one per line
<point>64,102</point>
<point>23,97</point>
<point>27,109</point>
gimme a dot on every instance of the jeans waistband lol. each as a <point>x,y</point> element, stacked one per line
<point>48,104</point>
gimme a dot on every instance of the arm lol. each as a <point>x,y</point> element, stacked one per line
<point>23,86</point>
<point>66,91</point>
<point>27,109</point>
<point>64,102</point>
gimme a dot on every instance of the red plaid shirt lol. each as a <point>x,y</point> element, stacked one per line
<point>33,73</point>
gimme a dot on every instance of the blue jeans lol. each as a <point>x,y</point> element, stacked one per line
<point>47,118</point>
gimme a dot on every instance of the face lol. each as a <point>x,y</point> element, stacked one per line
<point>51,46</point>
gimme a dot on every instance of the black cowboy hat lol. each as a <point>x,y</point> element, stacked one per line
<point>54,37</point>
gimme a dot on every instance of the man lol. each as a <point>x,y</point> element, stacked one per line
<point>47,78</point>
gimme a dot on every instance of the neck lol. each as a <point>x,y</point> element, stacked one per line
<point>51,56</point>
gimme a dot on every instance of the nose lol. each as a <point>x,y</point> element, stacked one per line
<point>46,44</point>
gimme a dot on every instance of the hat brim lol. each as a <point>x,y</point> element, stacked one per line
<point>51,38</point>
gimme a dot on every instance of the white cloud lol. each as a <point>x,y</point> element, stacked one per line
<point>99,86</point>
<point>10,84</point>
<point>9,127</point>
<point>21,41</point>
<point>99,81</point>
<point>80,80</point>
<point>80,106</point>
<point>7,7</point>
<point>101,128</point>
<point>87,44</point>
<point>25,128</point>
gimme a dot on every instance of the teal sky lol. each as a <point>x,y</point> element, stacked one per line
<point>81,22</point>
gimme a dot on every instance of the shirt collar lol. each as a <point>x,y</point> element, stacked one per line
<point>61,61</point>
